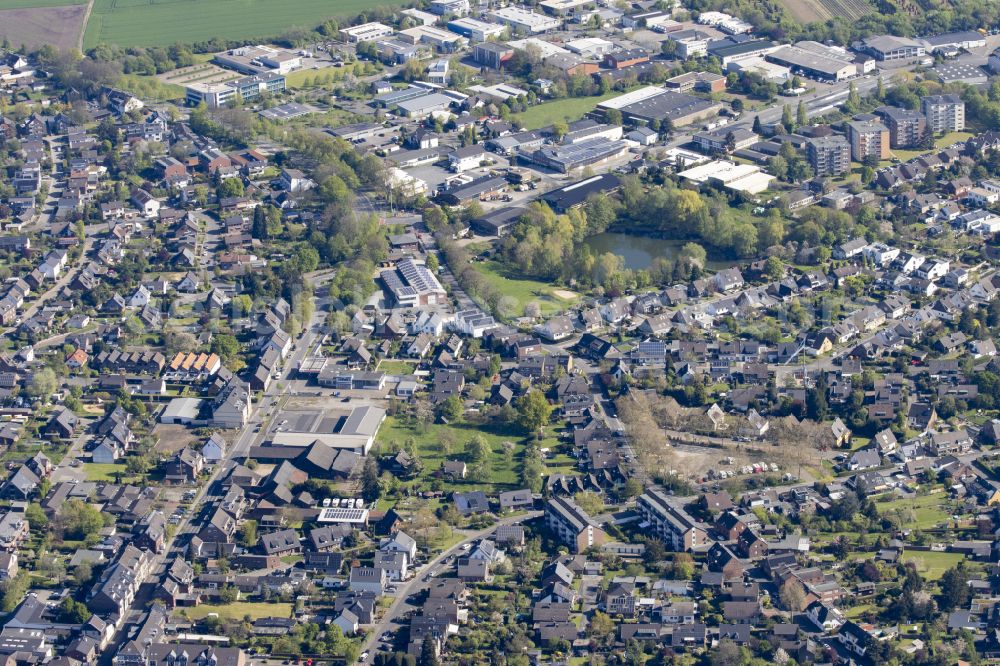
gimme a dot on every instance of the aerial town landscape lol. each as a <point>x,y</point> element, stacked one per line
<point>461,332</point>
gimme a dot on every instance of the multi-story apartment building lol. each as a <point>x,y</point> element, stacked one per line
<point>572,525</point>
<point>829,155</point>
<point>944,113</point>
<point>670,523</point>
<point>869,139</point>
<point>906,127</point>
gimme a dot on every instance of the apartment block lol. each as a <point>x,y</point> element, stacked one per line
<point>670,523</point>
<point>944,113</point>
<point>829,155</point>
<point>571,524</point>
<point>868,138</point>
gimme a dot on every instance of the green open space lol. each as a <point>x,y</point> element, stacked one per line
<point>394,367</point>
<point>932,565</point>
<point>307,77</point>
<point>103,471</point>
<point>523,290</point>
<point>239,609</point>
<point>568,109</point>
<point>165,22</point>
<point>437,442</point>
<point>150,88</point>
<point>928,510</point>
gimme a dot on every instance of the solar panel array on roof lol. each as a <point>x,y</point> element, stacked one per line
<point>338,515</point>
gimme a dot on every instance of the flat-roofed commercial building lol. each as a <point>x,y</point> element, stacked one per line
<point>442,40</point>
<point>653,103</point>
<point>353,429</point>
<point>690,43</point>
<point>412,284</point>
<point>450,7</point>
<point>813,65</point>
<point>891,47</point>
<point>475,31</point>
<point>729,50</point>
<point>247,89</point>
<point>745,178</point>
<point>589,152</point>
<point>366,32</point>
<point>258,59</point>
<point>562,7</point>
<point>524,20</point>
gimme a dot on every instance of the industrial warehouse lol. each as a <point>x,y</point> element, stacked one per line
<point>653,103</point>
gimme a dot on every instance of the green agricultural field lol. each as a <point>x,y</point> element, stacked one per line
<point>164,22</point>
<point>524,290</point>
<point>30,4</point>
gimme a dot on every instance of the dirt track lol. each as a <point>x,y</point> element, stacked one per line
<point>59,26</point>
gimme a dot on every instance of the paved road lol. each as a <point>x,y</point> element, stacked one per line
<point>419,582</point>
<point>208,491</point>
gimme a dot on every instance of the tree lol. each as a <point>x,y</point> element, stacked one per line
<point>451,409</point>
<point>80,519</point>
<point>756,125</point>
<point>728,653</point>
<point>83,573</point>
<point>43,383</point>
<point>477,449</point>
<point>954,588</point>
<point>229,594</point>
<point>601,627</point>
<point>590,502</point>
<point>801,117</point>
<point>786,117</point>
<point>428,652</point>
<point>559,129</point>
<point>792,595</point>
<point>72,611</point>
<point>534,411</point>
<point>632,488</point>
<point>371,489</point>
<point>248,533</point>
<point>774,268</point>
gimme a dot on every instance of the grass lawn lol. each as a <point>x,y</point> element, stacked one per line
<point>103,471</point>
<point>950,138</point>
<point>430,449</point>
<point>393,367</point>
<point>151,88</point>
<point>854,612</point>
<point>238,609</point>
<point>523,290</point>
<point>161,23</point>
<point>568,109</point>
<point>928,510</point>
<point>298,79</point>
<point>932,565</point>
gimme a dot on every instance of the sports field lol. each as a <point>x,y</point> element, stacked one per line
<point>164,22</point>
